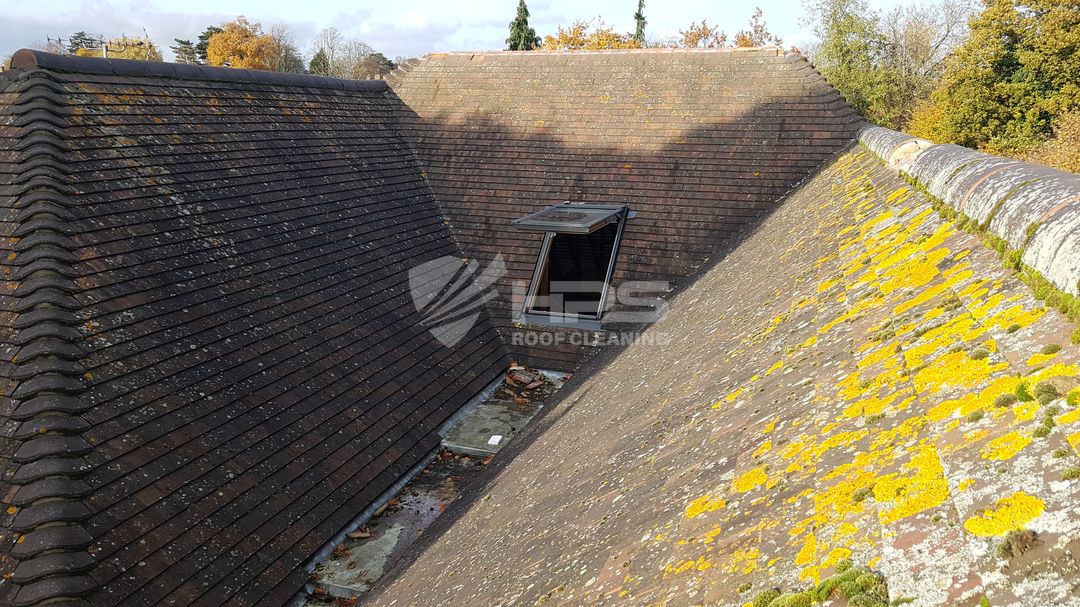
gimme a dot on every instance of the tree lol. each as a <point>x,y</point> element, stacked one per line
<point>204,43</point>
<point>758,34</point>
<point>286,57</point>
<point>1014,76</point>
<point>885,66</point>
<point>585,35</point>
<point>522,37</point>
<point>377,64</point>
<point>851,54</point>
<point>80,40</point>
<point>639,19</point>
<point>701,35</point>
<point>184,51</point>
<point>1063,150</point>
<point>918,40</point>
<point>242,44</point>
<point>125,47</point>
<point>347,58</point>
<point>320,63</point>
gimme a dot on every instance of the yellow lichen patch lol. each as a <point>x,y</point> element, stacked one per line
<point>956,370</point>
<point>922,488</point>
<point>762,449</point>
<point>1074,441</point>
<point>1009,514</point>
<point>744,560</point>
<point>750,479</point>
<point>1071,417</point>
<point>701,564</point>
<point>1040,359</point>
<point>808,552</point>
<point>775,367</point>
<point>1025,412</point>
<point>1005,447</point>
<point>704,504</point>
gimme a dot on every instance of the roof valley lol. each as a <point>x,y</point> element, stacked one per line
<point>44,401</point>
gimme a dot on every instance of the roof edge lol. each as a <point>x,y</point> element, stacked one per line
<point>26,59</point>
<point>770,51</point>
<point>1033,208</point>
<point>46,405</point>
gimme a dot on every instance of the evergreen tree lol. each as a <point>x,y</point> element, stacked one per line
<point>80,40</point>
<point>522,37</point>
<point>639,18</point>
<point>320,64</point>
<point>184,51</point>
<point>204,43</point>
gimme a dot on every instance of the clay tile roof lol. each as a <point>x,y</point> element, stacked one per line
<point>211,361</point>
<point>211,358</point>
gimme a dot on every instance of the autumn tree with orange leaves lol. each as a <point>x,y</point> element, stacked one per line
<point>242,44</point>
<point>702,35</point>
<point>588,35</point>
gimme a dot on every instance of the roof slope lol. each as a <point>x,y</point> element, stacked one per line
<point>215,361</point>
<point>842,385</point>
<point>698,142</point>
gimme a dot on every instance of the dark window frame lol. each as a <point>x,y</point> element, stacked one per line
<point>529,311</point>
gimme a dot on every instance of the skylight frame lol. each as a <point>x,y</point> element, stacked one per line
<point>618,215</point>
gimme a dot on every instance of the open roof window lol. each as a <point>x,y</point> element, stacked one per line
<point>576,261</point>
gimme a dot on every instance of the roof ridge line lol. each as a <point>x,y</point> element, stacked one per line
<point>46,403</point>
<point>27,59</point>
<point>772,51</point>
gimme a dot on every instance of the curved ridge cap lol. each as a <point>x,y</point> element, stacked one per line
<point>30,59</point>
<point>45,405</point>
<point>1032,207</point>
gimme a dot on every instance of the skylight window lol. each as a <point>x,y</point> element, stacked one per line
<point>576,261</point>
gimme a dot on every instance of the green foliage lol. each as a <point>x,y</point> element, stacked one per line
<point>1071,473</point>
<point>184,51</point>
<point>766,597</point>
<point>1046,392</point>
<point>1023,392</point>
<point>640,22</point>
<point>1005,400</point>
<point>522,37</point>
<point>320,63</point>
<point>978,353</point>
<point>80,40</point>
<point>1051,349</point>
<point>884,64</point>
<point>851,56</point>
<point>1017,71</point>
<point>1062,151</point>
<point>1073,399</point>
<point>975,416</point>
<point>204,43</point>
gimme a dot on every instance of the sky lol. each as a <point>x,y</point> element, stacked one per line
<point>409,29</point>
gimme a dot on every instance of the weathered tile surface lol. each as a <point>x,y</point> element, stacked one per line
<point>828,393</point>
<point>700,143</point>
<point>239,366</point>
